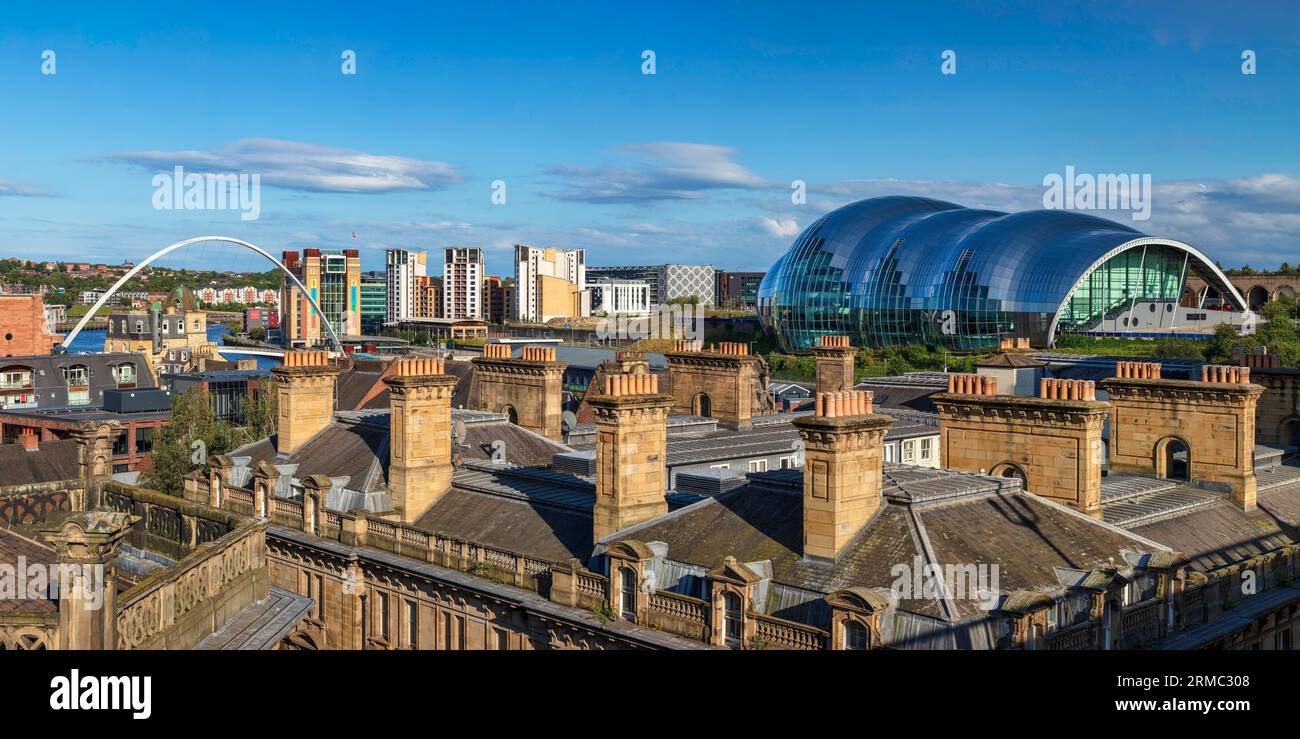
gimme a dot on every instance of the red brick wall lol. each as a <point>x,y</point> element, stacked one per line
<point>22,326</point>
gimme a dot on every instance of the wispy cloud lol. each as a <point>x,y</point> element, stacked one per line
<point>18,189</point>
<point>301,166</point>
<point>670,170</point>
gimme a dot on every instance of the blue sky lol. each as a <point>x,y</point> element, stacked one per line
<point>692,164</point>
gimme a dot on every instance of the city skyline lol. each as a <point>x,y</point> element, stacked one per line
<point>693,164</point>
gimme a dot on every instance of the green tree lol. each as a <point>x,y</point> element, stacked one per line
<point>261,413</point>
<point>1219,348</point>
<point>173,449</point>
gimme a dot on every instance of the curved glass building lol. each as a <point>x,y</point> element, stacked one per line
<point>896,270</point>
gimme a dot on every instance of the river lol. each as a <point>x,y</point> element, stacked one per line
<point>93,341</point>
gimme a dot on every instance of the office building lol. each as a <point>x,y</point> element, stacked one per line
<point>738,289</point>
<point>668,282</point>
<point>619,297</point>
<point>374,301</point>
<point>333,279</point>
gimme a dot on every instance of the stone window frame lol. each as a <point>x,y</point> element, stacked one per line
<point>859,605</point>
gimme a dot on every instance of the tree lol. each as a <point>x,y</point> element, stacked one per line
<point>1219,348</point>
<point>174,449</point>
<point>261,413</point>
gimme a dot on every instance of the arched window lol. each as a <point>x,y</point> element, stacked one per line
<point>627,594</point>
<point>702,406</point>
<point>733,621</point>
<point>855,635</point>
<point>1177,459</point>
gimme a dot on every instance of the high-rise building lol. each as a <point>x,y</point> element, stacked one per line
<point>462,283</point>
<point>549,283</point>
<point>374,301</point>
<point>497,299</point>
<point>667,282</point>
<point>333,279</point>
<point>402,269</point>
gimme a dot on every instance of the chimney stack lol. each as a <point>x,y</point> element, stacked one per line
<point>1049,437</point>
<point>530,389</point>
<point>725,382</point>
<point>1199,430</point>
<point>305,392</point>
<point>29,439</point>
<point>419,434</point>
<point>842,471</point>
<point>631,446</point>
<point>834,364</point>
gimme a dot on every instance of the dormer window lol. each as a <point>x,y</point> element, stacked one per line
<point>627,596</point>
<point>733,620</point>
<point>78,378</point>
<point>855,636</point>
<point>124,374</point>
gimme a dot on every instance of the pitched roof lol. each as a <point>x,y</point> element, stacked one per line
<point>944,517</point>
<point>54,460</point>
<point>1220,533</point>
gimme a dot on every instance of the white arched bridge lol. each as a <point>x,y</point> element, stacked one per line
<point>103,299</point>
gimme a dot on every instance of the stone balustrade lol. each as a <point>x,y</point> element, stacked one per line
<point>678,614</point>
<point>777,633</point>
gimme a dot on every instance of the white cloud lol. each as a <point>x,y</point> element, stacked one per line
<point>301,166</point>
<point>674,171</point>
<point>782,228</point>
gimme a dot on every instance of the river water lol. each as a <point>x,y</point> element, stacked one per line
<point>93,341</point>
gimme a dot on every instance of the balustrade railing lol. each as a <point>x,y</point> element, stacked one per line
<point>777,633</point>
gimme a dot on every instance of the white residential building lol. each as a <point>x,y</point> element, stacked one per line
<point>402,272</point>
<point>462,283</point>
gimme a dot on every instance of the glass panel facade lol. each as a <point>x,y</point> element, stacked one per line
<point>1144,273</point>
<point>896,270</point>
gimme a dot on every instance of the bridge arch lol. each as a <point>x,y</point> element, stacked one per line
<point>103,299</point>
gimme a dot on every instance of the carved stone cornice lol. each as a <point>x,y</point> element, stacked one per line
<point>1057,412</point>
<point>1181,391</point>
<point>401,386</point>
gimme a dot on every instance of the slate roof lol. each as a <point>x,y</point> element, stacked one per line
<point>51,389</point>
<point>13,546</point>
<point>1221,534</point>
<point>55,460</point>
<point>539,517</point>
<point>771,434</point>
<point>945,517</point>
